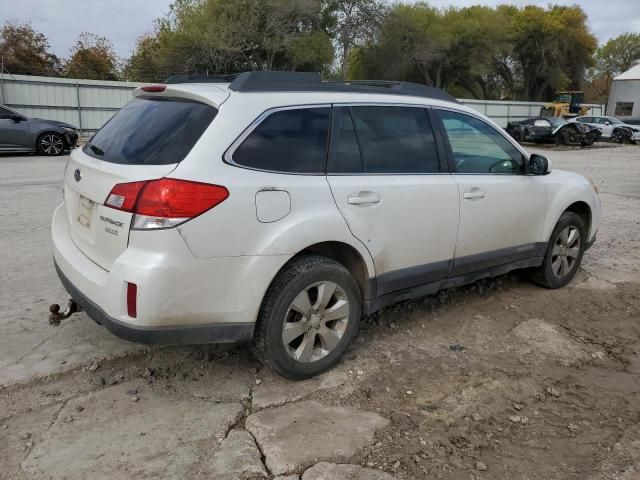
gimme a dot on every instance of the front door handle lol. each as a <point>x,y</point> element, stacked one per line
<point>474,193</point>
<point>363,198</point>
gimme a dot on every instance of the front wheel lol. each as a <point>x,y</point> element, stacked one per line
<point>309,317</point>
<point>617,136</point>
<point>50,144</point>
<point>564,252</point>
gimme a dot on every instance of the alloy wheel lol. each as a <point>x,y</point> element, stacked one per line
<point>315,322</point>
<point>566,251</point>
<point>51,144</point>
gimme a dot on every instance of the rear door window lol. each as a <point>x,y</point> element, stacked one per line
<point>151,131</point>
<point>383,139</point>
<point>290,141</point>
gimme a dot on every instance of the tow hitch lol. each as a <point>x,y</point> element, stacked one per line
<point>55,317</point>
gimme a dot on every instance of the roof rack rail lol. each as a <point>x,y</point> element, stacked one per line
<point>269,81</point>
<point>200,78</point>
<point>274,81</point>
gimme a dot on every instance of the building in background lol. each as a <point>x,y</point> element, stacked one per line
<point>624,98</point>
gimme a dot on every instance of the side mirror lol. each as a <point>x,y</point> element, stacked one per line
<point>539,165</point>
<point>607,123</point>
<point>17,118</point>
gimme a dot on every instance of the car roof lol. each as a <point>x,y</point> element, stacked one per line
<point>272,82</point>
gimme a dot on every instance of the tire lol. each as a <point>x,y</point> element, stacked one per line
<point>617,136</point>
<point>313,344</point>
<point>50,144</point>
<point>563,247</point>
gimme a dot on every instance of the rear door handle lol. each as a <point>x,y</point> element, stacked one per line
<point>363,198</point>
<point>474,193</point>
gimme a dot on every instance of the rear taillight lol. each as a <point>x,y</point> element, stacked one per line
<point>166,202</point>
<point>124,195</point>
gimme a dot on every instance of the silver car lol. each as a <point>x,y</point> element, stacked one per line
<point>19,133</point>
<point>612,128</point>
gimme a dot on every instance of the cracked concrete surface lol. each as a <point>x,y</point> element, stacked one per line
<point>430,388</point>
<point>297,435</point>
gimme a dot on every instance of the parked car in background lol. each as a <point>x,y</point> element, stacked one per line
<point>19,133</point>
<point>553,130</point>
<point>632,121</point>
<point>277,208</point>
<point>612,128</point>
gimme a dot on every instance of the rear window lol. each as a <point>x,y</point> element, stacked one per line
<point>288,141</point>
<point>151,131</point>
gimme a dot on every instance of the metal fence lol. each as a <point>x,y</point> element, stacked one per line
<point>502,112</point>
<point>88,104</point>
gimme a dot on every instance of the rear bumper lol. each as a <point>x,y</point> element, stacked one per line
<point>187,335</point>
<point>180,299</point>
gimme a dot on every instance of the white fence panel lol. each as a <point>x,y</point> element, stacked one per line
<point>88,104</point>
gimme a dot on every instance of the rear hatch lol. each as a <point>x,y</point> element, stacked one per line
<point>145,140</point>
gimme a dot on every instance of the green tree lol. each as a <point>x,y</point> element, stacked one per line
<point>92,57</point>
<point>229,36</point>
<point>355,22</point>
<point>26,51</point>
<point>618,54</point>
<point>552,48</point>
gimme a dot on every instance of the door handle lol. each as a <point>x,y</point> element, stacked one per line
<point>474,193</point>
<point>363,198</point>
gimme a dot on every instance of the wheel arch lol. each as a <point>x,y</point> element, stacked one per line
<point>346,255</point>
<point>582,209</point>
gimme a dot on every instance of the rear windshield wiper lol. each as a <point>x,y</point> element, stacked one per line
<point>96,150</point>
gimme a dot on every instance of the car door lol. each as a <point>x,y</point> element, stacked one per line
<point>385,174</point>
<point>14,135</point>
<point>604,124</point>
<point>502,209</point>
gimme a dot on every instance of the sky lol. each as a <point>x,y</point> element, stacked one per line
<point>123,21</point>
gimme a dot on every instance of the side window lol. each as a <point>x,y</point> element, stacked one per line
<point>391,140</point>
<point>288,141</point>
<point>478,147</point>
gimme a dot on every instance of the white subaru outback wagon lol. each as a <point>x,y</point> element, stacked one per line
<point>275,208</point>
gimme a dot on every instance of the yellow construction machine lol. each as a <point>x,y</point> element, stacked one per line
<point>565,104</point>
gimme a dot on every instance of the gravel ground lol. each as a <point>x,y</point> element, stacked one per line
<point>499,379</point>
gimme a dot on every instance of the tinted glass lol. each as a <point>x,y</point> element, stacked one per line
<point>478,147</point>
<point>4,113</point>
<point>151,131</point>
<point>288,141</point>
<point>395,139</point>
<point>345,156</point>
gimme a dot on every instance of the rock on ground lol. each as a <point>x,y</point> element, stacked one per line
<point>332,471</point>
<point>297,435</point>
<point>109,436</point>
<point>237,458</point>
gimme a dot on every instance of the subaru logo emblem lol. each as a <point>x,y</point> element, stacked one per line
<point>77,175</point>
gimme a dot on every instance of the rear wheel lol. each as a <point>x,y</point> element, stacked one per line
<point>564,252</point>
<point>50,143</point>
<point>308,319</point>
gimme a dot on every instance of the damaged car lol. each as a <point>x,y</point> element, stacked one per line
<point>553,130</point>
<point>612,128</point>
